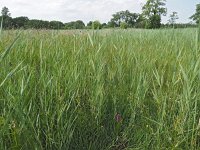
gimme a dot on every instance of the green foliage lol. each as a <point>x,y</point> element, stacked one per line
<point>89,25</point>
<point>80,24</point>
<point>7,22</point>
<point>153,10</point>
<point>173,18</point>
<point>104,25</point>
<point>56,25</point>
<point>20,22</point>
<point>131,19</point>
<point>154,22</point>
<point>112,24</point>
<point>96,25</point>
<point>75,25</point>
<point>196,16</point>
<point>5,12</point>
<point>38,24</point>
<point>123,25</point>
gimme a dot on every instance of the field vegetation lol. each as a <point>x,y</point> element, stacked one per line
<point>92,90</point>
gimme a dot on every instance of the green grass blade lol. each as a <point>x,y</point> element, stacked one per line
<point>6,52</point>
<point>10,74</point>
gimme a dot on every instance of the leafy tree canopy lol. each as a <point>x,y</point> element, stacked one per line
<point>96,25</point>
<point>5,12</point>
<point>124,16</point>
<point>152,11</point>
<point>196,16</point>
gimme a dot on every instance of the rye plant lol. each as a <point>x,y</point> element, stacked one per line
<point>110,89</point>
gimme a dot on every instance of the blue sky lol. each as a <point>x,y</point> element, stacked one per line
<point>86,10</point>
<point>185,9</point>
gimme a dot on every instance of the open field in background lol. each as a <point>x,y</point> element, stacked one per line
<point>109,89</point>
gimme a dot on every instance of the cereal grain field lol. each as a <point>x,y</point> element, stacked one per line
<point>100,90</point>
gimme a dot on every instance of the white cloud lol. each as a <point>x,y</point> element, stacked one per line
<point>68,10</point>
<point>86,10</point>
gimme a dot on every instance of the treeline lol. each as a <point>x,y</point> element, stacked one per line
<point>26,23</point>
<point>149,18</point>
<point>179,25</point>
<point>131,20</point>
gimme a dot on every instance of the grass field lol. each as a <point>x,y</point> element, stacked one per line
<point>98,90</point>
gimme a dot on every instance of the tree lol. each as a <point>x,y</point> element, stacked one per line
<point>7,20</point>
<point>141,21</point>
<point>130,18</point>
<point>70,25</point>
<point>123,25</point>
<point>111,24</point>
<point>104,25</point>
<point>56,25</point>
<point>89,25</point>
<point>116,19</point>
<point>96,25</point>
<point>124,16</point>
<point>196,16</point>
<point>173,18</point>
<point>5,12</point>
<point>152,11</point>
<point>79,24</point>
<point>38,24</point>
<point>20,22</point>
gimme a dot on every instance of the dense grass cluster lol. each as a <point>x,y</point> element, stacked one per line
<point>133,89</point>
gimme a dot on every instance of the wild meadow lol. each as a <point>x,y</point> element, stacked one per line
<point>100,90</point>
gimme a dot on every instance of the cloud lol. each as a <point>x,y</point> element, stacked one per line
<point>101,10</point>
<point>86,10</point>
<point>68,10</point>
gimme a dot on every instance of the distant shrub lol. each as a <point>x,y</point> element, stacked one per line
<point>123,25</point>
<point>96,25</point>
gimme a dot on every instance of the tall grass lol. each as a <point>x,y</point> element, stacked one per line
<point>134,89</point>
<point>1,27</point>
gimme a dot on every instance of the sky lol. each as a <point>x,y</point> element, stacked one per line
<point>87,10</point>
